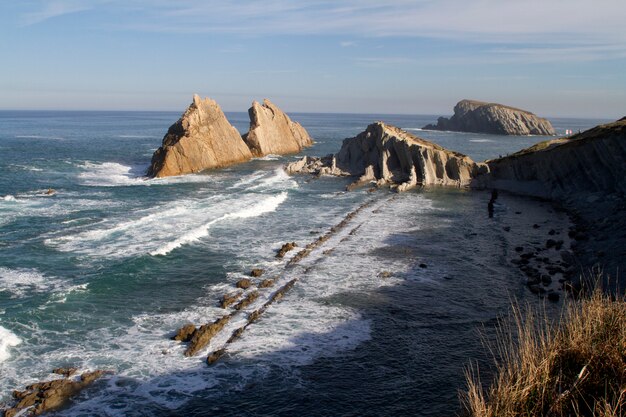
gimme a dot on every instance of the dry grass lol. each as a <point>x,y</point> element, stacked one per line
<point>574,367</point>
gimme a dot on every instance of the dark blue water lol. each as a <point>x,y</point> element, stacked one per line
<point>99,274</point>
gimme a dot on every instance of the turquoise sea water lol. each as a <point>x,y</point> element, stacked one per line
<point>100,274</point>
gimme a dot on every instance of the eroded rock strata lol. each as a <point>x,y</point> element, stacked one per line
<point>386,155</point>
<point>586,173</point>
<point>480,117</point>
<point>589,162</point>
<point>42,397</point>
<point>273,132</point>
<point>201,139</point>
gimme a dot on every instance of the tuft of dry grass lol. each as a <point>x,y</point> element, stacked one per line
<point>574,366</point>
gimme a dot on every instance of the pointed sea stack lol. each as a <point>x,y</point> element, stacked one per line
<point>201,139</point>
<point>480,117</point>
<point>273,132</point>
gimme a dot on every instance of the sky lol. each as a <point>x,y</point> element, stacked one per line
<point>553,57</point>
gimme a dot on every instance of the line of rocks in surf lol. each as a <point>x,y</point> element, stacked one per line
<point>200,337</point>
<point>52,395</point>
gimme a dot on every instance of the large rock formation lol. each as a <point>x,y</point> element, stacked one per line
<point>201,139</point>
<point>387,155</point>
<point>480,117</point>
<point>586,174</point>
<point>589,162</point>
<point>273,132</point>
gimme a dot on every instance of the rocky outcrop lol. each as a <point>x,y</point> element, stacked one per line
<point>201,139</point>
<point>273,132</point>
<point>586,174</point>
<point>589,162</point>
<point>480,117</point>
<point>42,397</point>
<point>386,155</point>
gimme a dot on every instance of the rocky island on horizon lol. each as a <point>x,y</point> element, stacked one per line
<point>480,117</point>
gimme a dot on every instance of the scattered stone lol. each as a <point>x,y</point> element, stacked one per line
<point>550,243</point>
<point>519,249</point>
<point>249,299</point>
<point>204,334</point>
<point>546,279</point>
<point>536,226</point>
<point>422,265</point>
<point>552,232</point>
<point>506,228</point>
<point>244,283</point>
<point>286,248</point>
<point>254,316</point>
<point>385,274</point>
<point>215,356</point>
<point>229,299</point>
<point>266,283</point>
<point>185,333</point>
<point>66,372</point>
<point>256,272</point>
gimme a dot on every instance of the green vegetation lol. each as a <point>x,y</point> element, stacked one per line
<point>575,366</point>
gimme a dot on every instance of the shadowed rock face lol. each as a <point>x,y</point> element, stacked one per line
<point>385,154</point>
<point>273,132</point>
<point>201,139</point>
<point>479,117</point>
<point>592,161</point>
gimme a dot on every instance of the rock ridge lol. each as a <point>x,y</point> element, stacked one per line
<point>386,155</point>
<point>493,118</point>
<point>203,138</point>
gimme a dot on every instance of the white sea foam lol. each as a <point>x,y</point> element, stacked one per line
<point>481,140</point>
<point>270,157</point>
<point>8,197</point>
<point>278,180</point>
<point>109,174</point>
<point>267,205</point>
<point>7,340</point>
<point>38,137</point>
<point>23,282</point>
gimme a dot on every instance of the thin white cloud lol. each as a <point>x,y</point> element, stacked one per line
<point>347,44</point>
<point>53,9</point>
<point>560,23</point>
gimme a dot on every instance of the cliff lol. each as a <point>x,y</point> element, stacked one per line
<point>273,132</point>
<point>201,139</point>
<point>387,155</point>
<point>586,174</point>
<point>589,162</point>
<point>480,117</point>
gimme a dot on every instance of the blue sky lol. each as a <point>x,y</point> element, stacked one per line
<point>553,57</point>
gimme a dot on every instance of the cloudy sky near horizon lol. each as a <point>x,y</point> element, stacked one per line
<point>553,57</point>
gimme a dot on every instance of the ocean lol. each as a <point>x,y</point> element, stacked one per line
<point>100,266</point>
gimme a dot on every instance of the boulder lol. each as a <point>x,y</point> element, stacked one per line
<point>386,155</point>
<point>185,333</point>
<point>480,117</point>
<point>42,397</point>
<point>201,139</point>
<point>286,248</point>
<point>244,283</point>
<point>202,337</point>
<point>256,272</point>
<point>273,132</point>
